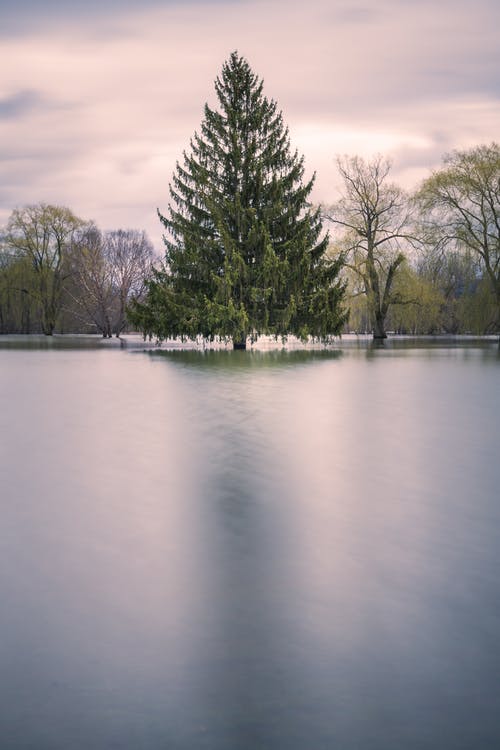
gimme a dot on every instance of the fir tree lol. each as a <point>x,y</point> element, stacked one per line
<point>245,253</point>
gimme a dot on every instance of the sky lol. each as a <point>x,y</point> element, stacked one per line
<point>99,98</point>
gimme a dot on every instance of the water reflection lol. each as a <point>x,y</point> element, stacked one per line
<point>209,359</point>
<point>35,341</point>
<point>253,549</point>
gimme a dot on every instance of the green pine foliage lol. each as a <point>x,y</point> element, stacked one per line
<point>245,252</point>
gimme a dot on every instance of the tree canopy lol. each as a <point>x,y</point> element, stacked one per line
<point>461,204</point>
<point>245,254</point>
<point>44,235</point>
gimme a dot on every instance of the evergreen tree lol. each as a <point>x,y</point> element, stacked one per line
<point>244,252</point>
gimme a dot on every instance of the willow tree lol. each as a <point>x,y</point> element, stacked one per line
<point>44,235</point>
<point>461,207</point>
<point>245,253</point>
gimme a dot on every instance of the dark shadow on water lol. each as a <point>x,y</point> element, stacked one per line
<point>210,359</point>
<point>62,341</point>
<point>350,341</point>
<point>439,342</point>
<point>430,346</point>
<point>228,361</point>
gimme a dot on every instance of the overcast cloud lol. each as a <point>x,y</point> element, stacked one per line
<point>97,103</point>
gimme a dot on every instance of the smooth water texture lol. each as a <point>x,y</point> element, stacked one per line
<point>246,550</point>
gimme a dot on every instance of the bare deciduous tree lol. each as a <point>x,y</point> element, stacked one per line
<point>129,255</point>
<point>91,289</point>
<point>109,269</point>
<point>372,227</point>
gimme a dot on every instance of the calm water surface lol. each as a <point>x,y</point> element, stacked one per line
<point>255,550</point>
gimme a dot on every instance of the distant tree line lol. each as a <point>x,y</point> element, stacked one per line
<point>59,273</point>
<point>427,263</point>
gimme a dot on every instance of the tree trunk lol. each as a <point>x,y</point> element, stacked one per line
<point>240,343</point>
<point>48,324</point>
<point>379,328</point>
<point>497,322</point>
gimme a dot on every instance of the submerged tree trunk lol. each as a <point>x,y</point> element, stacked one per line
<point>47,323</point>
<point>497,322</point>
<point>379,328</point>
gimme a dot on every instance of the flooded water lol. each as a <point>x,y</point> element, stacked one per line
<point>246,550</point>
